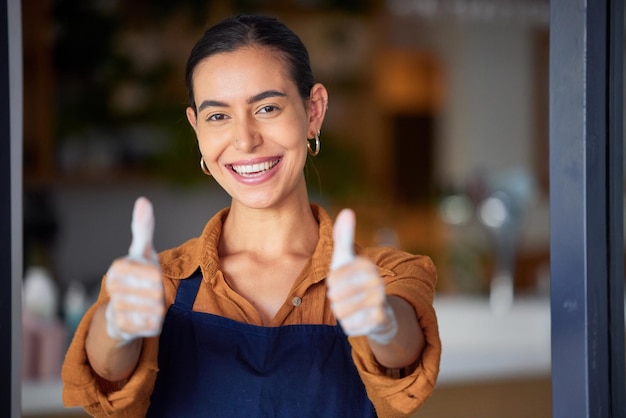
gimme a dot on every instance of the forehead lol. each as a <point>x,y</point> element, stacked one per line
<point>245,69</point>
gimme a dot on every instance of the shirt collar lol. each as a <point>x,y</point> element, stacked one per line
<point>320,262</point>
<point>183,261</point>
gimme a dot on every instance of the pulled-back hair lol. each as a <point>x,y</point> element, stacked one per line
<point>242,31</point>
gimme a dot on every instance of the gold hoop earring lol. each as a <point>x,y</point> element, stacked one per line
<point>203,167</point>
<point>318,145</point>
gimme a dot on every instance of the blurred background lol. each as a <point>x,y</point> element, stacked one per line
<point>436,134</point>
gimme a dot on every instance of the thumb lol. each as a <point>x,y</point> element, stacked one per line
<point>343,235</point>
<point>142,228</point>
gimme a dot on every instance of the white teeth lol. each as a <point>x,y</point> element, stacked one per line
<point>254,169</point>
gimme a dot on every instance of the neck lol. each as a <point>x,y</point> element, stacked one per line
<point>270,232</point>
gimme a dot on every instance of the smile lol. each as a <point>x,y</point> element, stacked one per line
<point>251,170</point>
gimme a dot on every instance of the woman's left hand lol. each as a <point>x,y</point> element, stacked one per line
<point>356,290</point>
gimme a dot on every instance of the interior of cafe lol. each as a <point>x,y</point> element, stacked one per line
<point>436,135</point>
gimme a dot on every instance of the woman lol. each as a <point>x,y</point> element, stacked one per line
<point>261,315</point>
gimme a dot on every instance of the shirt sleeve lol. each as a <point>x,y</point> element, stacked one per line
<point>412,278</point>
<point>82,387</point>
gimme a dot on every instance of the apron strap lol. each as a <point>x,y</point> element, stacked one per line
<point>188,289</point>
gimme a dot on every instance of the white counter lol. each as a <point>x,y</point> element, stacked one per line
<point>44,398</point>
<point>479,345</point>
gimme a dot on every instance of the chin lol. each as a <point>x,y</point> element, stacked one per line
<point>256,203</point>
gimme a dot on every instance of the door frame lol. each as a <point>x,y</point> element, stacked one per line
<point>586,208</point>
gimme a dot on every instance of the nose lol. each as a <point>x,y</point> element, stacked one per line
<point>246,136</point>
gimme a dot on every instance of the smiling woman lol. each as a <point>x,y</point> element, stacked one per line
<point>254,117</point>
<point>272,310</point>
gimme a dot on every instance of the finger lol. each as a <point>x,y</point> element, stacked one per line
<point>140,303</point>
<point>355,303</point>
<point>358,276</point>
<point>142,228</point>
<point>343,235</point>
<point>134,283</point>
<point>135,324</point>
<point>126,322</point>
<point>134,278</point>
<point>123,306</point>
<point>362,322</point>
<point>346,286</point>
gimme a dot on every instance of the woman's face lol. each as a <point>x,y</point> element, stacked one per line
<point>251,125</point>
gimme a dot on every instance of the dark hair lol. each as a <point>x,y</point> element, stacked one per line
<point>251,30</point>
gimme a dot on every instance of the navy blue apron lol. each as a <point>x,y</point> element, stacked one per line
<point>211,366</point>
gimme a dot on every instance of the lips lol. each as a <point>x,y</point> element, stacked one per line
<point>255,169</point>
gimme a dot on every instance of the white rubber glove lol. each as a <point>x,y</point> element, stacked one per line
<point>355,289</point>
<point>136,308</point>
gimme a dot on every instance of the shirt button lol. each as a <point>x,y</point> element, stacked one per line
<point>296,301</point>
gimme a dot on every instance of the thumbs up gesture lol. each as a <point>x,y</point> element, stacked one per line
<point>355,289</point>
<point>136,307</point>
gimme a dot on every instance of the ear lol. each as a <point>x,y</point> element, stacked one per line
<point>318,103</point>
<point>192,118</point>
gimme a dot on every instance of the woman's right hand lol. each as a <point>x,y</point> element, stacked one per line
<point>134,283</point>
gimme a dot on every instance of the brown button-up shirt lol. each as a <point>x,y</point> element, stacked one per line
<point>393,393</point>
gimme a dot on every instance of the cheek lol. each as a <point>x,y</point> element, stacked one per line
<point>210,143</point>
<point>295,131</point>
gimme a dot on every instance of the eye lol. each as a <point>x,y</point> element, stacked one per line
<point>216,116</point>
<point>268,109</point>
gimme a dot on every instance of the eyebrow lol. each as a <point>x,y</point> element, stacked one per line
<point>256,98</point>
